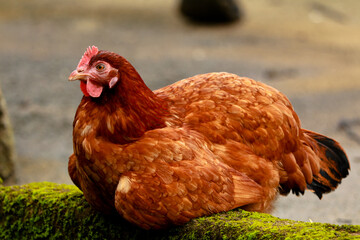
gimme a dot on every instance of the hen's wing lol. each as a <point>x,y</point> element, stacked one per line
<point>224,107</point>
<point>180,178</point>
<point>244,117</point>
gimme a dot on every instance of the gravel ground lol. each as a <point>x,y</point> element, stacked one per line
<point>309,50</point>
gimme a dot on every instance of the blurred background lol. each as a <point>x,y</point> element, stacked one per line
<point>308,49</point>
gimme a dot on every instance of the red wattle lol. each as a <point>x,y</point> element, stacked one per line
<point>83,88</point>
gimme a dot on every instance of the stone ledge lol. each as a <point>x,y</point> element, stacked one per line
<point>48,210</point>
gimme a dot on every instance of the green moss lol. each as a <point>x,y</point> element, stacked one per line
<point>48,210</point>
<point>265,226</point>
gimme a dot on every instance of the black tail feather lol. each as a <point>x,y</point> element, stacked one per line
<point>333,167</point>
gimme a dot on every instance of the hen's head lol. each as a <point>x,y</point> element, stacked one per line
<point>97,70</point>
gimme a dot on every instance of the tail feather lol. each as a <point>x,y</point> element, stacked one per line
<point>334,165</point>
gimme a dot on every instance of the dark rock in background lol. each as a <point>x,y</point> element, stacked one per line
<point>211,11</point>
<point>6,144</point>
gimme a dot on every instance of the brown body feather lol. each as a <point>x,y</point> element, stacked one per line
<point>206,144</point>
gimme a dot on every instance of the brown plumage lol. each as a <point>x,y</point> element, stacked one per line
<point>205,144</point>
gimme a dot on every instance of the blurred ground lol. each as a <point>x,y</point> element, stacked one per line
<point>309,50</point>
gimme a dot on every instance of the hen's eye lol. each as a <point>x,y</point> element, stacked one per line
<point>100,67</point>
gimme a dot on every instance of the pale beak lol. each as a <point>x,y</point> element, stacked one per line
<point>75,75</point>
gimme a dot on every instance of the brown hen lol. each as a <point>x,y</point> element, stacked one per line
<point>205,144</point>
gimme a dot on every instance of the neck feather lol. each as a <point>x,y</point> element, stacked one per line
<point>128,110</point>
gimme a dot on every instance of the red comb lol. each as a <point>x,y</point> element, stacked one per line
<point>90,52</point>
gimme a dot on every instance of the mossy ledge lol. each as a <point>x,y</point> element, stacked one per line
<point>53,211</point>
